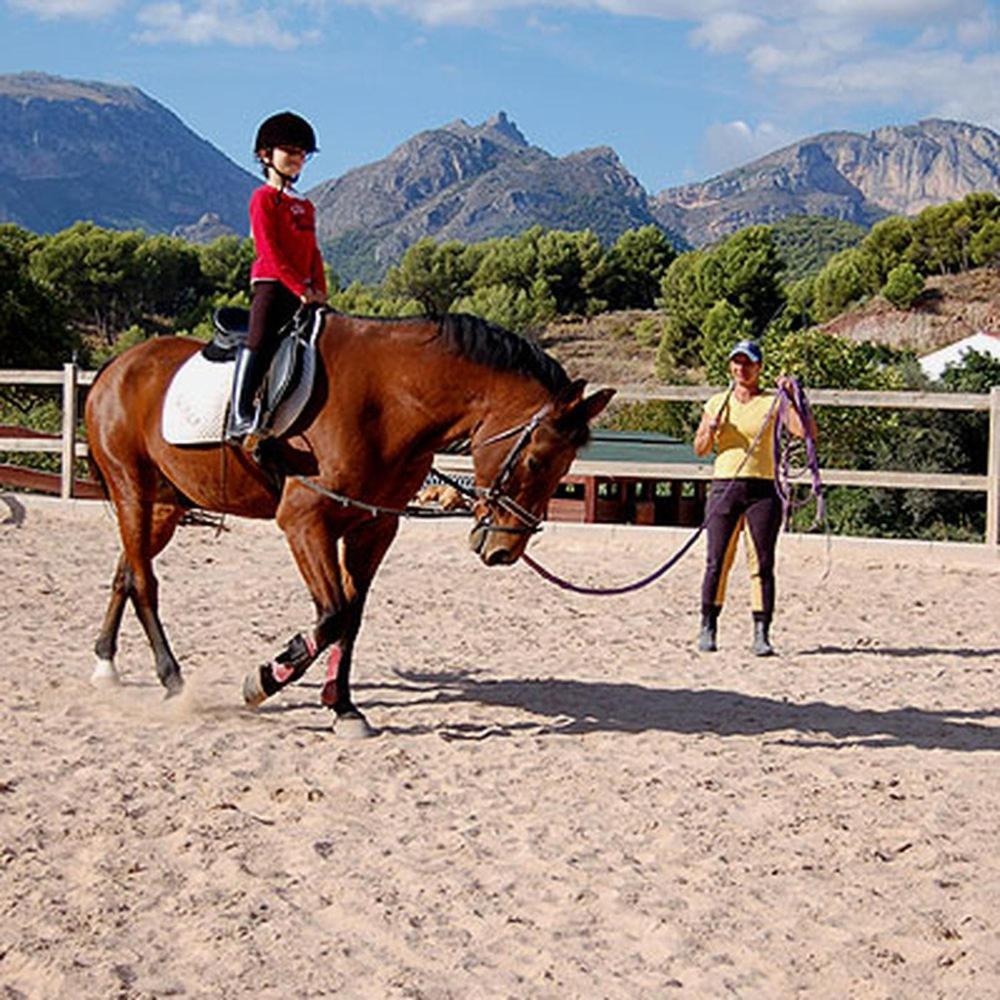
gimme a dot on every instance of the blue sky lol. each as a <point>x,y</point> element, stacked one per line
<point>682,89</point>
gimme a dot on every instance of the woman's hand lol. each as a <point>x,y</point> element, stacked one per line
<point>704,437</point>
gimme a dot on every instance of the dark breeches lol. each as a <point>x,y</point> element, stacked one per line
<point>733,505</point>
<point>272,307</point>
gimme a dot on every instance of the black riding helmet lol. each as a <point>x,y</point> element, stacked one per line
<point>285,129</point>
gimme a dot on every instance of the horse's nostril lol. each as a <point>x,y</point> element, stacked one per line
<point>497,557</point>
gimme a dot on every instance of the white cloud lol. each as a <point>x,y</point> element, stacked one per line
<point>214,21</point>
<point>952,85</point>
<point>51,9</point>
<point>729,144</point>
<point>724,32</point>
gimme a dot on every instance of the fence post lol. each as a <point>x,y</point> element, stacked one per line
<point>68,465</point>
<point>993,472</point>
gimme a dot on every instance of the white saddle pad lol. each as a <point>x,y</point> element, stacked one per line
<point>194,408</point>
<point>197,400</point>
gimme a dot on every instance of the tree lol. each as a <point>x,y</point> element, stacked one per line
<point>433,274</point>
<point>225,264</point>
<point>33,331</point>
<point>750,269</point>
<point>685,302</point>
<point>984,247</point>
<point>93,274</point>
<point>573,268</point>
<point>168,276</point>
<point>842,282</point>
<point>504,305</point>
<point>636,265</point>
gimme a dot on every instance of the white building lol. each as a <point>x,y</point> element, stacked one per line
<point>934,364</point>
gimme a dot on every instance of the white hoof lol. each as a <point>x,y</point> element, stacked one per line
<point>253,692</point>
<point>104,674</point>
<point>353,727</point>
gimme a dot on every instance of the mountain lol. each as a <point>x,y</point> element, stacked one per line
<point>470,183</point>
<point>895,170</point>
<point>72,150</point>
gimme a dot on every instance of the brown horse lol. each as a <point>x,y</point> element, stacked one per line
<point>389,394</point>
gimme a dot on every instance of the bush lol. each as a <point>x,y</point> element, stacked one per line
<point>903,285</point>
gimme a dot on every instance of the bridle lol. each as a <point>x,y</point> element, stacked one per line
<point>493,496</point>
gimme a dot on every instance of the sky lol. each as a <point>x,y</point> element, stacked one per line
<point>681,89</point>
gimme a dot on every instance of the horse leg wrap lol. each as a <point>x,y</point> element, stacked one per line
<point>289,665</point>
<point>329,696</point>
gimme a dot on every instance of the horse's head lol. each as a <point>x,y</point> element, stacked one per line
<point>518,469</point>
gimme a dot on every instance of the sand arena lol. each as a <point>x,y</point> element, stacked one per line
<point>566,800</point>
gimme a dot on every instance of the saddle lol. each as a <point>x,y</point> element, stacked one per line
<point>196,402</point>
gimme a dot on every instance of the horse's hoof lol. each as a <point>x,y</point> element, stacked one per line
<point>174,685</point>
<point>353,726</point>
<point>253,691</point>
<point>105,674</point>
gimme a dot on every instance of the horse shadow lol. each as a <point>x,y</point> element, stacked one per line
<point>575,708</point>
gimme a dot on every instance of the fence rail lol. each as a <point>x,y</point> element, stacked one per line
<point>69,447</point>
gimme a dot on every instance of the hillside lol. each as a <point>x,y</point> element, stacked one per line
<point>896,170</point>
<point>72,150</point>
<point>951,307</point>
<point>604,350</point>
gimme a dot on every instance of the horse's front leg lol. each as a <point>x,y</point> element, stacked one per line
<point>361,553</point>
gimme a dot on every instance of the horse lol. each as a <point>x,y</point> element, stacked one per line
<point>388,394</point>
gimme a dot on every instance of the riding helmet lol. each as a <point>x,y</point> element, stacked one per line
<point>285,129</point>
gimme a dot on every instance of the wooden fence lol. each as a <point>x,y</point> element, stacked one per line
<point>69,447</point>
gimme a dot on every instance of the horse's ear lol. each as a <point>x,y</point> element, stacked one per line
<point>569,395</point>
<point>596,402</point>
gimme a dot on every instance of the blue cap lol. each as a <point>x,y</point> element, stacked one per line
<point>750,348</point>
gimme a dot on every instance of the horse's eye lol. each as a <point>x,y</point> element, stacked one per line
<point>533,464</point>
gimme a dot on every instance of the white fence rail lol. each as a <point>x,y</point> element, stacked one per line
<point>69,447</point>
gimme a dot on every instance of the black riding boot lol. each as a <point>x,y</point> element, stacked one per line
<point>242,410</point>
<point>707,635</point>
<point>761,638</point>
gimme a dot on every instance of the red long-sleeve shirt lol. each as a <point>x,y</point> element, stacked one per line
<point>283,227</point>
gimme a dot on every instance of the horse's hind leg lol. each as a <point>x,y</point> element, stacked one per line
<point>106,646</point>
<point>145,528</point>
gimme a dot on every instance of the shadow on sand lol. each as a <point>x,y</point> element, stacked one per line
<point>581,707</point>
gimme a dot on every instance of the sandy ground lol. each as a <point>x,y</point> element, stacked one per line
<point>565,800</point>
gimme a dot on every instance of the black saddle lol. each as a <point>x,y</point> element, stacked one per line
<point>232,326</point>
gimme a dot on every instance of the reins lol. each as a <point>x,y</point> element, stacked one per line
<point>782,484</point>
<point>492,494</point>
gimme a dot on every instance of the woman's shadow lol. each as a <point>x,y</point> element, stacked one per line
<point>581,707</point>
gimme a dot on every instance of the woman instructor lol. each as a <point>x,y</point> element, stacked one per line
<point>739,425</point>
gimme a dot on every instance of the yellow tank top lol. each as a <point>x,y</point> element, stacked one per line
<point>738,427</point>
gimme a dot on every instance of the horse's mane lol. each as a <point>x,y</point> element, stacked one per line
<point>483,343</point>
<point>487,344</point>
